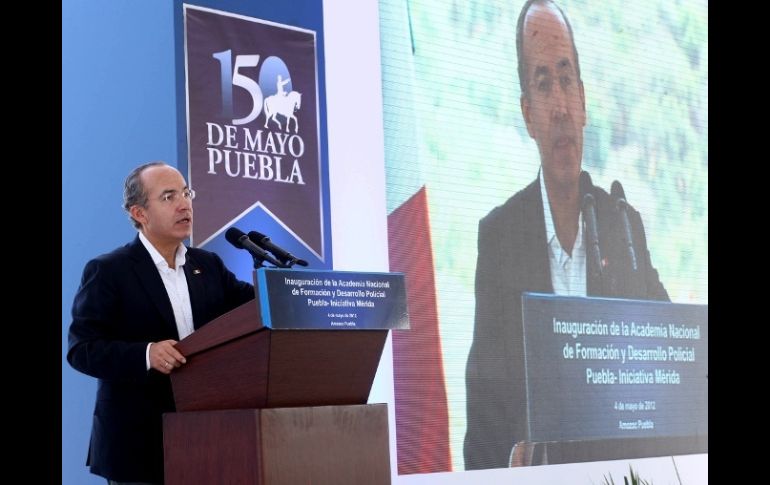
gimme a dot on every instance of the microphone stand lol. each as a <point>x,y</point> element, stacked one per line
<point>593,253</point>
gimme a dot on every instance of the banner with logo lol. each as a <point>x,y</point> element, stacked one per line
<point>253,125</point>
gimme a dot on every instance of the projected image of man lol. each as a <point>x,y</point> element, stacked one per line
<point>536,241</point>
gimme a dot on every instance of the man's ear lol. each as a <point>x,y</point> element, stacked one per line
<point>583,103</point>
<point>527,115</point>
<point>138,213</point>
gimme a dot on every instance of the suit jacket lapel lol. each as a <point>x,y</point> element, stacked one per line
<point>536,253</point>
<point>151,282</point>
<point>197,288</point>
<point>523,246</point>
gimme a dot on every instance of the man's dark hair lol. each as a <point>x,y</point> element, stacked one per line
<point>520,43</point>
<point>133,190</point>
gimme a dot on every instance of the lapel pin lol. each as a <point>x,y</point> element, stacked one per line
<point>196,271</point>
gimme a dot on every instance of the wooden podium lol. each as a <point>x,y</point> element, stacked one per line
<point>266,406</point>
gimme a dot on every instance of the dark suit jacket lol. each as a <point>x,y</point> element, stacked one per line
<point>121,306</point>
<point>513,258</point>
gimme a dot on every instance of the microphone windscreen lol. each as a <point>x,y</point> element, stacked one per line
<point>233,235</point>
<point>586,186</point>
<point>256,236</point>
<point>616,191</point>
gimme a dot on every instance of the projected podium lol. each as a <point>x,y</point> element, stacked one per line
<point>610,378</point>
<point>274,392</point>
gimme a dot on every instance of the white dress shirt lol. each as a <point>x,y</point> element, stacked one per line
<point>176,286</point>
<point>568,273</point>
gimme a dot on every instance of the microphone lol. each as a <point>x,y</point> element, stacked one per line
<point>619,195</point>
<point>284,256</point>
<point>592,232</point>
<point>237,238</point>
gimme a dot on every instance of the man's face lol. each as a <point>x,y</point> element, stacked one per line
<point>555,108</point>
<point>165,221</point>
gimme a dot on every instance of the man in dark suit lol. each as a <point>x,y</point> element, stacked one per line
<point>534,242</point>
<point>131,308</point>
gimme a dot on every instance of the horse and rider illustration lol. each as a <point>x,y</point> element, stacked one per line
<point>282,103</point>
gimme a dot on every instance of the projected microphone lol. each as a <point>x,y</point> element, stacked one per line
<point>592,231</point>
<point>284,256</point>
<point>619,195</point>
<point>237,238</point>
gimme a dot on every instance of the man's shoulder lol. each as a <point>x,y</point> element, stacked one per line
<point>202,257</point>
<point>605,200</point>
<point>201,253</point>
<point>113,264</point>
<point>515,205</point>
<point>117,255</point>
<point>601,195</point>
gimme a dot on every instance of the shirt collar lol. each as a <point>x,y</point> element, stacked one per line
<point>160,261</point>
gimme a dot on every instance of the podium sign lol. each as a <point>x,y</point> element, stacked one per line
<point>331,300</point>
<point>601,368</point>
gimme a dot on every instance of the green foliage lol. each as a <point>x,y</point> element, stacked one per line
<point>632,479</point>
<point>645,70</point>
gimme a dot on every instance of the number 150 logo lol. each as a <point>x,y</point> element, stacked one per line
<point>274,80</point>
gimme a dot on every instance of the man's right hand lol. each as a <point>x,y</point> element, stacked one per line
<point>164,357</point>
